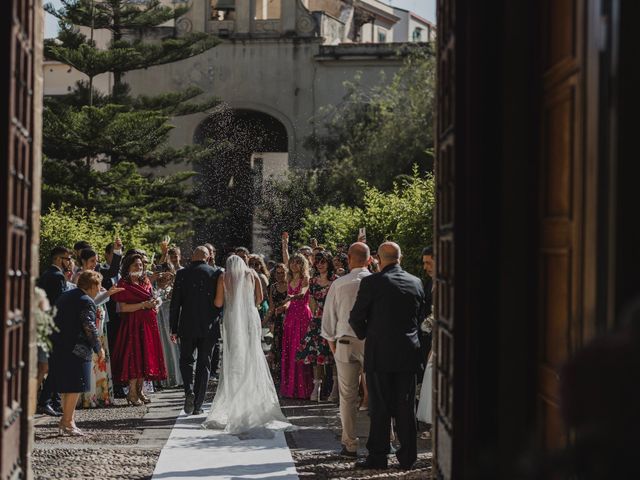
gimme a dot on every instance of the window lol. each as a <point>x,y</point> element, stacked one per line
<point>382,36</point>
<point>417,35</point>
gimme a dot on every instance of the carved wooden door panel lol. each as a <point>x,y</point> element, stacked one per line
<point>16,182</point>
<point>444,243</point>
<point>563,185</point>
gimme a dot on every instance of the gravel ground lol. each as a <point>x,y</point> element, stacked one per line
<point>115,447</point>
<point>116,425</point>
<point>324,462</point>
<point>108,451</point>
<point>94,463</point>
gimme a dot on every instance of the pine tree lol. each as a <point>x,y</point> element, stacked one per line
<point>100,146</point>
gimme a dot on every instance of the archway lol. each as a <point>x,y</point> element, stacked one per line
<point>245,146</point>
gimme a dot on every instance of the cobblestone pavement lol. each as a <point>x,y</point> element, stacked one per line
<point>124,442</point>
<point>316,443</point>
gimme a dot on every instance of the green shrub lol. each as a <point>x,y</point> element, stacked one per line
<point>65,225</point>
<point>403,215</point>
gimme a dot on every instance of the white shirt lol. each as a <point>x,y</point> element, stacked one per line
<point>338,304</point>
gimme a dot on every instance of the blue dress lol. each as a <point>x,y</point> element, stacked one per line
<point>76,323</point>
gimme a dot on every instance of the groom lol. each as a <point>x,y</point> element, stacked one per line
<point>196,321</point>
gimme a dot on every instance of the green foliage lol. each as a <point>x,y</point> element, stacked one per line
<point>377,135</point>
<point>65,225</point>
<point>99,146</point>
<point>403,215</point>
<point>374,157</point>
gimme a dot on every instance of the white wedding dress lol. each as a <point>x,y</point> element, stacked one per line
<point>246,402</point>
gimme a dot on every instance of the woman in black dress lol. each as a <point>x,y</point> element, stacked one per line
<point>73,346</point>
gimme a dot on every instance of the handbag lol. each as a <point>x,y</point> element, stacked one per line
<point>267,339</point>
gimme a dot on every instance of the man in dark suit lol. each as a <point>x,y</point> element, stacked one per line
<point>54,283</point>
<point>389,308</point>
<point>196,321</point>
<point>110,271</point>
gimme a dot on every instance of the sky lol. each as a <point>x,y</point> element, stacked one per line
<point>424,8</point>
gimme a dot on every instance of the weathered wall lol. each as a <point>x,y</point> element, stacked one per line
<point>283,78</point>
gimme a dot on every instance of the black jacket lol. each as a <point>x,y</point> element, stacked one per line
<point>110,271</point>
<point>76,322</point>
<point>389,308</point>
<point>53,282</point>
<point>193,313</point>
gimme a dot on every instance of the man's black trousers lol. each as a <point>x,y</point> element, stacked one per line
<point>392,394</point>
<point>205,347</point>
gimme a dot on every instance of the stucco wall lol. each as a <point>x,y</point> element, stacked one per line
<point>282,78</point>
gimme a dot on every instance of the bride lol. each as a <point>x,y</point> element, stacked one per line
<point>246,399</point>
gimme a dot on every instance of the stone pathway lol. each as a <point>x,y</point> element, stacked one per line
<point>125,442</point>
<point>316,444</point>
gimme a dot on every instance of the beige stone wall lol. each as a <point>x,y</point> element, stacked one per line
<point>282,78</point>
<point>60,79</point>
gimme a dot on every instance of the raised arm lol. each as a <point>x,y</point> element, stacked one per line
<point>219,300</point>
<point>285,248</point>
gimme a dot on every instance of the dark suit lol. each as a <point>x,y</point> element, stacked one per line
<point>389,308</point>
<point>109,272</point>
<point>196,320</point>
<point>54,283</point>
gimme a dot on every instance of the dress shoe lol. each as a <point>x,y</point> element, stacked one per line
<point>371,464</point>
<point>188,403</point>
<point>347,453</point>
<point>49,410</point>
<point>197,411</point>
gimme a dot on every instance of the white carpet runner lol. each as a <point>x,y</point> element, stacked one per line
<point>195,453</point>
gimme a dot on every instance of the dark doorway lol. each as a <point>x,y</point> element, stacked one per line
<point>229,180</point>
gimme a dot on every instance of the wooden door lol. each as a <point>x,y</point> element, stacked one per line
<point>443,427</point>
<point>16,197</point>
<point>568,196</point>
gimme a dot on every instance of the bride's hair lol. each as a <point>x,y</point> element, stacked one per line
<point>299,259</point>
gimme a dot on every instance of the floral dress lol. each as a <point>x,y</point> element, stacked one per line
<point>314,349</point>
<point>275,324</point>
<point>101,393</point>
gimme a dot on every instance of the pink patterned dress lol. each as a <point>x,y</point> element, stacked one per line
<point>296,378</point>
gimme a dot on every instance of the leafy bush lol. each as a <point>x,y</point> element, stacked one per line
<point>403,215</point>
<point>379,134</point>
<point>65,225</point>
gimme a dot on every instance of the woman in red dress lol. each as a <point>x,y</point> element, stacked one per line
<point>137,354</point>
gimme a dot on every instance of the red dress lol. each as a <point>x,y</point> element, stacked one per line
<point>138,349</point>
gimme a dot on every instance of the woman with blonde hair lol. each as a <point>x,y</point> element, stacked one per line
<point>296,378</point>
<point>74,344</point>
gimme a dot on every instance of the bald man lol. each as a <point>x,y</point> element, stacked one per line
<point>388,310</point>
<point>195,320</point>
<point>348,350</point>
